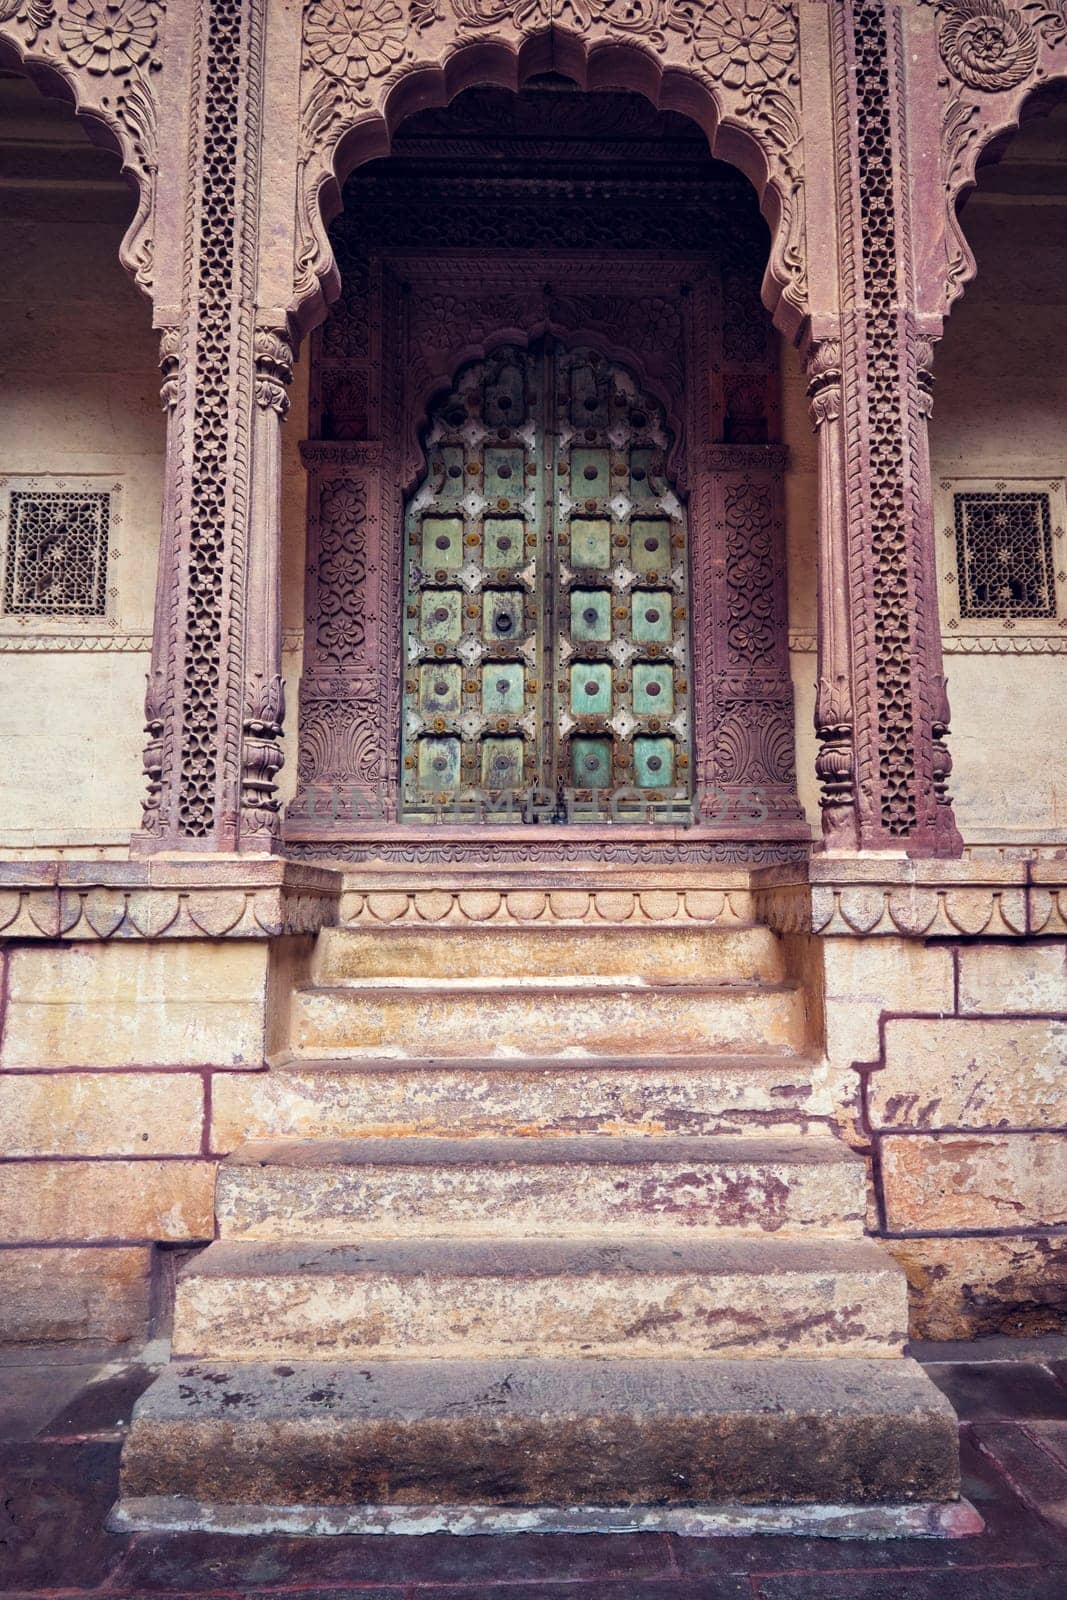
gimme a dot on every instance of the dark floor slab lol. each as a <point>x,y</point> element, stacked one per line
<point>720,1587</point>
<point>102,1405</point>
<point>976,1583</point>
<point>53,1502</point>
<point>1013,1534</point>
<point>1032,1471</point>
<point>999,1391</point>
<point>1051,1436</point>
<point>171,1563</point>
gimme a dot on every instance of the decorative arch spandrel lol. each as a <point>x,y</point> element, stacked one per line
<point>731,66</point>
<point>105,60</point>
<point>997,58</point>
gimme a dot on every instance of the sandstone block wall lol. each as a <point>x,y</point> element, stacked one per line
<point>964,1103</point>
<point>108,1055</point>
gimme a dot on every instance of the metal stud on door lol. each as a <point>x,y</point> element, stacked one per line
<point>546,610</point>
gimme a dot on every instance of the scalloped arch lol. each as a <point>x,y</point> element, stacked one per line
<point>966,138</point>
<point>105,129</point>
<point>762,146</point>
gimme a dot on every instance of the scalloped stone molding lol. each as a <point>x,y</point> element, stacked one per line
<point>963,899</point>
<point>119,900</point>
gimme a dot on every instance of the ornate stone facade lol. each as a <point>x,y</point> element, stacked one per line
<point>836,139</point>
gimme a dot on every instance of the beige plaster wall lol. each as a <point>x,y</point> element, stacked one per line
<point>1001,409</point>
<point>80,386</point>
<point>80,389</point>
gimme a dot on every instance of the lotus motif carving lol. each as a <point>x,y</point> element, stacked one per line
<point>108,38</point>
<point>356,40</point>
<point>746,46</point>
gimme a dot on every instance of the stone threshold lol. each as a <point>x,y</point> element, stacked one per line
<point>922,1520</point>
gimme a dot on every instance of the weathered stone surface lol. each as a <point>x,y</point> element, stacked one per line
<point>540,1298</point>
<point>491,1019</point>
<point>75,1294</point>
<point>500,1188</point>
<point>967,1288</point>
<point>1022,978</point>
<point>94,1201</point>
<point>1007,1180</point>
<point>544,1433</point>
<point>954,1073</point>
<point>864,977</point>
<point>687,952</point>
<point>101,1113</point>
<point>636,1095</point>
<point>181,1002</point>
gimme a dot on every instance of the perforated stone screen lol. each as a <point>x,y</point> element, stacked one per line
<point>1004,554</point>
<point>56,546</point>
<point>1002,561</point>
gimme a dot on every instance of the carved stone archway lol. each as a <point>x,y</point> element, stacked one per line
<point>366,67</point>
<point>692,329</point>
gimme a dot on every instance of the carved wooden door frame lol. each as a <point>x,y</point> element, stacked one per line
<point>697,338</point>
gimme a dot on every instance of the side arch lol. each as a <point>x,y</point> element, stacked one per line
<point>741,89</point>
<point>112,96</point>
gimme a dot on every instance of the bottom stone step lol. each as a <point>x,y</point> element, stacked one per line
<point>543,1433</point>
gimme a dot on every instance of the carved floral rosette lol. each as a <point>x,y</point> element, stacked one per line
<point>994,53</point>
<point>362,58</point>
<point>105,56</point>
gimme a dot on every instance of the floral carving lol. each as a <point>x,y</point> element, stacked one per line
<point>108,38</point>
<point>746,47</point>
<point>1050,19</point>
<point>36,14</point>
<point>356,40</point>
<point>986,45</point>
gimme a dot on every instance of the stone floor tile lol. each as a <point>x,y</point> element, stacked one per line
<point>1023,1582</point>
<point>29,1396</point>
<point>1051,1436</point>
<point>52,1507</point>
<point>1034,1473</point>
<point>102,1405</point>
<point>994,1347</point>
<point>63,1355</point>
<point>171,1563</point>
<point>998,1391</point>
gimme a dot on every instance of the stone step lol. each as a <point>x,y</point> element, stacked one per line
<point>541,1433</point>
<point>356,1189</point>
<point>450,1017</point>
<point>477,1299</point>
<point>708,955</point>
<point>332,1099</point>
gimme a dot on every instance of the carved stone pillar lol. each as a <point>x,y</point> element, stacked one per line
<point>833,694</point>
<point>876,543</point>
<point>214,703</point>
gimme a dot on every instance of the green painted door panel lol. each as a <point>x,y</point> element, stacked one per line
<point>546,593</point>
